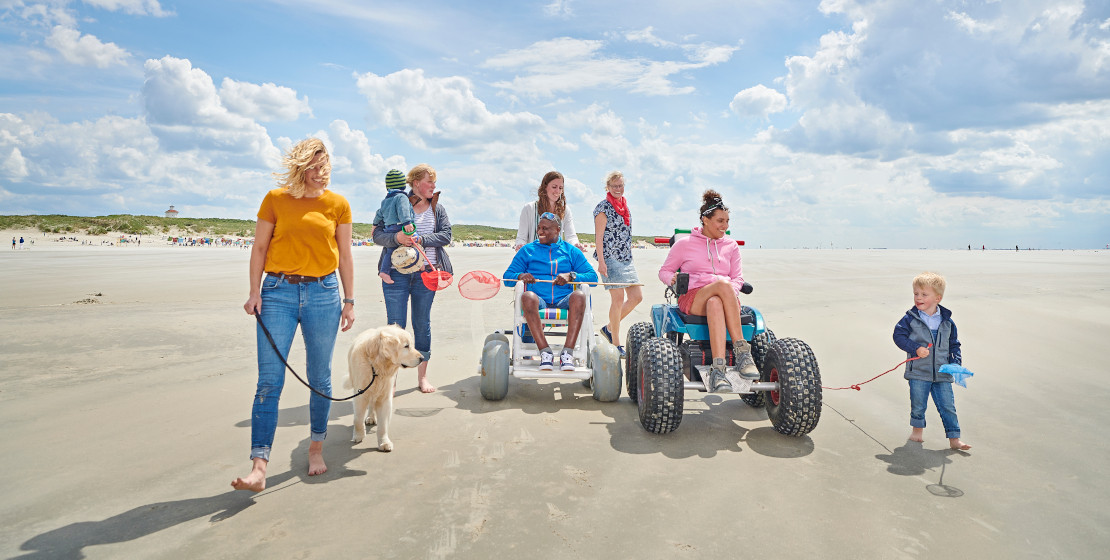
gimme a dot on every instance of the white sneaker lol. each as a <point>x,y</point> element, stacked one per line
<point>547,360</point>
<point>566,361</point>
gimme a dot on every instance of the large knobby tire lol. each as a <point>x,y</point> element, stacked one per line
<point>761,344</point>
<point>795,408</point>
<point>606,364</point>
<point>495,370</point>
<point>661,386</point>
<point>638,334</point>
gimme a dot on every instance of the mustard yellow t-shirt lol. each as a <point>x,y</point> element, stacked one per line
<point>304,232</point>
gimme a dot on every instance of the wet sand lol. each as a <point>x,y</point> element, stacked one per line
<point>126,378</point>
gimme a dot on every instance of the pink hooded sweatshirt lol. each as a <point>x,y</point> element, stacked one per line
<point>705,260</point>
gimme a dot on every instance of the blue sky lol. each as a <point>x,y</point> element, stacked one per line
<point>842,123</point>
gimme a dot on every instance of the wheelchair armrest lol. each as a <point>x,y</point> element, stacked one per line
<point>682,285</point>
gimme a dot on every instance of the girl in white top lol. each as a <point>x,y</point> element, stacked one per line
<point>550,198</point>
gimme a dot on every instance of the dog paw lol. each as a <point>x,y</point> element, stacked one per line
<point>371,421</point>
<point>357,437</point>
<point>385,446</point>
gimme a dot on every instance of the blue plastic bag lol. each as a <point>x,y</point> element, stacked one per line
<point>959,373</point>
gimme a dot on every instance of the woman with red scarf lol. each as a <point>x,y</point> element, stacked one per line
<point>613,234</point>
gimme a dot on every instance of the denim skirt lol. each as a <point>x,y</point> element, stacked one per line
<point>619,272</point>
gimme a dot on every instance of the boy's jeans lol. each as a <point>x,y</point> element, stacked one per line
<point>387,262</point>
<point>315,306</point>
<point>397,295</point>
<point>944,400</point>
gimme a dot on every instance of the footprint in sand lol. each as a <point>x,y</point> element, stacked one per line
<point>556,514</point>
<point>581,477</point>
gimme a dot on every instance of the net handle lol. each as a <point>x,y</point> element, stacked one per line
<point>577,283</point>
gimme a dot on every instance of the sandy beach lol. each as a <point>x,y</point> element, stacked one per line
<point>127,373</point>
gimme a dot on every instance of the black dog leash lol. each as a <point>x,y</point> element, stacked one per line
<point>374,375</point>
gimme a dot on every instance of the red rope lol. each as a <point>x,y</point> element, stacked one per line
<point>857,385</point>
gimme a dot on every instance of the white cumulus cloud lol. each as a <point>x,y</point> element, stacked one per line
<point>85,50</point>
<point>440,112</point>
<point>758,100</point>
<point>185,111</point>
<point>263,102</point>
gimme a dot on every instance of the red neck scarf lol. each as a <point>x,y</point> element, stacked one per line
<point>621,206</point>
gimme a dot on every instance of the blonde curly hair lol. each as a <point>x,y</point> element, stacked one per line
<point>297,161</point>
<point>930,280</point>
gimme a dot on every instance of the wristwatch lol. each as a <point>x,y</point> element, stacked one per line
<point>349,300</point>
<point>573,275</point>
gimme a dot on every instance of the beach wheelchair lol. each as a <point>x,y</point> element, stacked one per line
<point>671,355</point>
<point>513,353</point>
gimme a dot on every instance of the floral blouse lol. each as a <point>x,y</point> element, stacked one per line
<point>617,238</point>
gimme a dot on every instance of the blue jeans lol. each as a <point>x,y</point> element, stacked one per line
<point>316,307</point>
<point>944,400</point>
<point>397,296</point>
<point>387,262</point>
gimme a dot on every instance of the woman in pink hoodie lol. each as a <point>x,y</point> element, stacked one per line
<point>712,259</point>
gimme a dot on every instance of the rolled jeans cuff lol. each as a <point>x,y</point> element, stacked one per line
<point>426,353</point>
<point>260,453</point>
<point>319,436</point>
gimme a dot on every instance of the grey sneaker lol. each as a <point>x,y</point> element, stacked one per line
<point>717,377</point>
<point>742,351</point>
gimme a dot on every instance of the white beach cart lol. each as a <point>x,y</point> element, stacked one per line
<point>514,354</point>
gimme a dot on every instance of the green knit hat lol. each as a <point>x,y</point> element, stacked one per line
<point>394,180</point>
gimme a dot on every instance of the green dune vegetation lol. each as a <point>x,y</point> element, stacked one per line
<point>127,224</point>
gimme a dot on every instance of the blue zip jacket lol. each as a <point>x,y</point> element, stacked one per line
<point>545,262</point>
<point>912,333</point>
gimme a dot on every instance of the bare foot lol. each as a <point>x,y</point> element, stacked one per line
<point>255,481</point>
<point>385,277</point>
<point>955,443</point>
<point>918,435</point>
<point>316,459</point>
<point>426,387</point>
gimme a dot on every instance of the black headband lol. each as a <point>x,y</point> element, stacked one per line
<point>717,203</point>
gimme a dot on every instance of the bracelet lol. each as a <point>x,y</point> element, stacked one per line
<point>349,300</point>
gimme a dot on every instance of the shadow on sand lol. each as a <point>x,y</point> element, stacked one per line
<point>69,542</point>
<point>702,433</point>
<point>912,459</point>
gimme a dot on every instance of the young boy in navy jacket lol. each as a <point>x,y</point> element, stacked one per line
<point>927,333</point>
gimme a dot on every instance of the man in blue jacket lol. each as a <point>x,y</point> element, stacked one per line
<point>551,259</point>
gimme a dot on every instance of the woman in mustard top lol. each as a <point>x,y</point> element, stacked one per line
<point>301,240</point>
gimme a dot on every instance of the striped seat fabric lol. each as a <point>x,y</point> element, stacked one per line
<point>551,314</point>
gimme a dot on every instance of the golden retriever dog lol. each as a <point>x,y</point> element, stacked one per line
<point>380,351</point>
